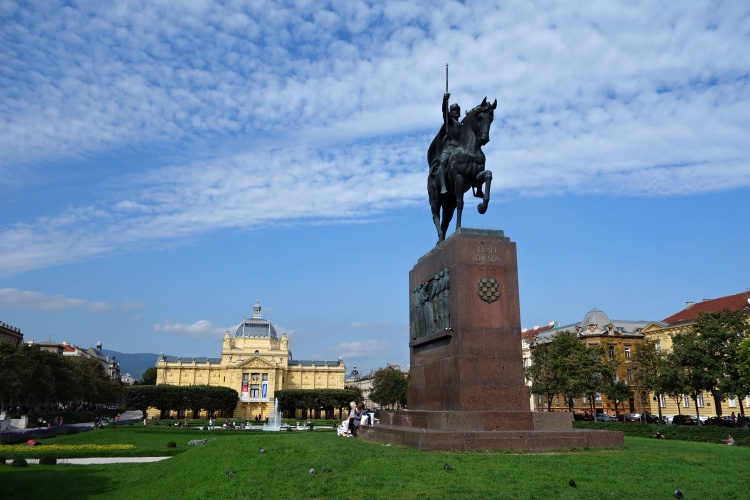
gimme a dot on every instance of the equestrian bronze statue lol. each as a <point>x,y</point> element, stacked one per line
<point>456,162</point>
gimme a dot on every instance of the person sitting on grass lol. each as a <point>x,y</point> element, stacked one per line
<point>730,441</point>
<point>658,435</point>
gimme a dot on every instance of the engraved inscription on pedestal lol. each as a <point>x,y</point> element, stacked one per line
<point>430,306</point>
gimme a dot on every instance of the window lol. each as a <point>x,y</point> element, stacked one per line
<point>699,400</point>
<point>254,391</point>
<point>598,398</point>
<point>658,346</point>
<point>265,377</point>
<point>611,351</point>
<point>627,351</point>
<point>663,400</point>
<point>685,401</point>
<point>733,401</point>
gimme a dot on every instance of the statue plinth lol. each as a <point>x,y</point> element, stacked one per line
<point>466,380</point>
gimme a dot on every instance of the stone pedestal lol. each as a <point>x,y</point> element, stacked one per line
<point>467,389</point>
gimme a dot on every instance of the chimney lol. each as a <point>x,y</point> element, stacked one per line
<point>688,305</point>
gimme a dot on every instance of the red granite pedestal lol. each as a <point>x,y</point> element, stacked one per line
<point>466,388</point>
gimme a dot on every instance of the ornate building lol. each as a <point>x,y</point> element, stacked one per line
<point>620,339</point>
<point>10,334</point>
<point>254,362</point>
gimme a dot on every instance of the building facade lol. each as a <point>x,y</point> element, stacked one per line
<point>620,339</point>
<point>661,333</point>
<point>10,334</point>
<point>256,363</point>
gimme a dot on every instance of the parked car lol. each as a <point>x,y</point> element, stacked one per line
<point>603,417</point>
<point>631,417</point>
<point>583,416</point>
<point>654,419</point>
<point>684,420</point>
<point>720,421</point>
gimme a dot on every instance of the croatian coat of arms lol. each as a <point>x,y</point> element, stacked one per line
<point>489,290</point>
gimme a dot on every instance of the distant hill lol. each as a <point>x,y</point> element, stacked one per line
<point>134,364</point>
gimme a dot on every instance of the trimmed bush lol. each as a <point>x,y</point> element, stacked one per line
<point>171,444</point>
<point>2,460</point>
<point>47,460</point>
<point>19,462</point>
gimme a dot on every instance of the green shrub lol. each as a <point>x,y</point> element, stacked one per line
<point>2,460</point>
<point>171,444</point>
<point>19,462</point>
<point>47,460</point>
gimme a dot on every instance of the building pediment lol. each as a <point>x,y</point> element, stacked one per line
<point>256,362</point>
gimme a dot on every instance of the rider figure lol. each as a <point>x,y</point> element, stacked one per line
<point>452,135</point>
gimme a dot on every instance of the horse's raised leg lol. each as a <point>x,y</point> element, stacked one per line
<point>485,177</point>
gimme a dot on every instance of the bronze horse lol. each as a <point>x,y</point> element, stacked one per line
<point>465,169</point>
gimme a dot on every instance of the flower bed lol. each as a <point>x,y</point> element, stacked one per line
<point>13,437</point>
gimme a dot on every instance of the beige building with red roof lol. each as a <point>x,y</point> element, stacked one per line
<point>678,322</point>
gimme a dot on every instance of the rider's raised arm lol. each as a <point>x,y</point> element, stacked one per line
<point>446,97</point>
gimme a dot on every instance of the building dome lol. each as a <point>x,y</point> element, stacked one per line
<point>256,326</point>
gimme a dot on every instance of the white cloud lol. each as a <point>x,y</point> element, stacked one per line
<point>200,329</point>
<point>13,299</point>
<point>332,105</point>
<point>362,349</point>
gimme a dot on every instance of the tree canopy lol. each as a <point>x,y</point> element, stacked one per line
<point>389,387</point>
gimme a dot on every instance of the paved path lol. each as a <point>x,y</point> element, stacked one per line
<point>97,461</point>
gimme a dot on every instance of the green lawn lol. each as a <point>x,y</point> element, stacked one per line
<point>643,468</point>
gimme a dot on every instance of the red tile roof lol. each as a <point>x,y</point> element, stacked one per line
<point>530,334</point>
<point>738,302</point>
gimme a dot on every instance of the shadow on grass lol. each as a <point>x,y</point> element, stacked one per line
<point>24,483</point>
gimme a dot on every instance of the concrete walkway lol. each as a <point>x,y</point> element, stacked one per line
<point>128,415</point>
<point>97,461</point>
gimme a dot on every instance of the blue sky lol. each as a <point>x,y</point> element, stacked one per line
<point>164,166</point>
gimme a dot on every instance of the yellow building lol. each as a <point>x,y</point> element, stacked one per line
<point>254,362</point>
<point>680,321</point>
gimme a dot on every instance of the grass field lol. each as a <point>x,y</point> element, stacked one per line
<point>643,468</point>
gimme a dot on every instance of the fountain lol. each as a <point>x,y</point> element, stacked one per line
<point>274,421</point>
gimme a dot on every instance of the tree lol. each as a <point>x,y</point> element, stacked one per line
<point>618,392</point>
<point>309,399</point>
<point>595,373</point>
<point>149,376</point>
<point>673,378</point>
<point>540,373</point>
<point>389,386</point>
<point>697,368</point>
<point>10,379</point>
<point>721,333</point>
<point>649,377</point>
<point>743,361</point>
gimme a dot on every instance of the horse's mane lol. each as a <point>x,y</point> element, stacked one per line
<point>479,109</point>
